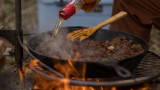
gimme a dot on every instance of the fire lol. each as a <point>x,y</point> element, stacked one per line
<point>70,72</point>
<point>34,62</point>
<point>66,81</point>
<point>114,88</point>
<point>20,75</point>
<point>43,83</point>
<point>145,86</point>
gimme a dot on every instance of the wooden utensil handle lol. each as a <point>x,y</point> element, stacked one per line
<point>111,19</point>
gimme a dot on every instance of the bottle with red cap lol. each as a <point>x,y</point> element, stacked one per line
<point>71,8</point>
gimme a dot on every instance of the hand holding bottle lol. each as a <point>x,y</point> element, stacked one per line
<point>74,5</point>
<point>89,5</point>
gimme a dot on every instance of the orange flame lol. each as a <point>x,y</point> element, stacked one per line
<point>42,83</point>
<point>20,75</point>
<point>68,70</point>
<point>46,84</point>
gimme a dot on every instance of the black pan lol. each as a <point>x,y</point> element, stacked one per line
<point>99,69</point>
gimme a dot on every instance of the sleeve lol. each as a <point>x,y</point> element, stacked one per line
<point>142,14</point>
<point>156,23</point>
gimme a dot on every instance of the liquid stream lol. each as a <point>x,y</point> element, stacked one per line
<point>60,21</point>
<point>57,27</point>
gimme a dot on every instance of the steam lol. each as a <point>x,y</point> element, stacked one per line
<point>55,47</point>
<point>63,48</point>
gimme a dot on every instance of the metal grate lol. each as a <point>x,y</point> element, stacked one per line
<point>149,65</point>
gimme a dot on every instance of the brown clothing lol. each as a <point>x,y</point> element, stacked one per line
<point>142,14</point>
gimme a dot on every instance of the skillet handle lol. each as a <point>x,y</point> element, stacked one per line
<point>122,72</point>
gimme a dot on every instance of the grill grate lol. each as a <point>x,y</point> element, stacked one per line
<point>150,64</point>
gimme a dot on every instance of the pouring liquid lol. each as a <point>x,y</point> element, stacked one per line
<point>57,27</point>
<point>59,22</point>
<point>78,5</point>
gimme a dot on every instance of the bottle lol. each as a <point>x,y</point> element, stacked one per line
<point>71,8</point>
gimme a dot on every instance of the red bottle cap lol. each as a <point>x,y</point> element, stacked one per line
<point>67,11</point>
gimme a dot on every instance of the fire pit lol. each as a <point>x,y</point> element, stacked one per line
<point>68,76</point>
<point>142,77</point>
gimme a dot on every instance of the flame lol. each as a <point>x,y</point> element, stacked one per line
<point>34,62</point>
<point>70,72</point>
<point>20,75</point>
<point>67,69</point>
<point>145,86</point>
<point>42,83</point>
<point>113,88</point>
<point>66,81</point>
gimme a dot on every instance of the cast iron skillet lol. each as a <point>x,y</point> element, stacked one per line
<point>100,69</point>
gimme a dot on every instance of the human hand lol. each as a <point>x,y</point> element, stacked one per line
<point>89,5</point>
